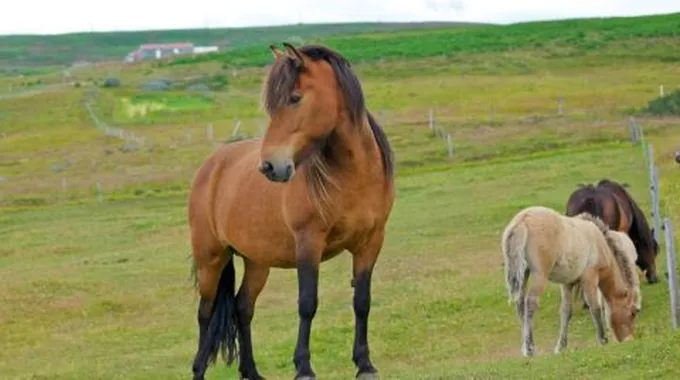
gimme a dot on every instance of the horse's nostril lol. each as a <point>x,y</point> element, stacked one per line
<point>266,167</point>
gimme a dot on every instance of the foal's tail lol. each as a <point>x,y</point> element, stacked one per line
<point>514,255</point>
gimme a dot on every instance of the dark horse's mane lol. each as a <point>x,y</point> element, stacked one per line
<point>640,232</point>
<point>280,82</point>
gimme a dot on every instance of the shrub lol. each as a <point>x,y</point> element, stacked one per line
<point>667,105</point>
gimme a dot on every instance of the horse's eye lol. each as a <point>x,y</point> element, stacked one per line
<point>295,98</point>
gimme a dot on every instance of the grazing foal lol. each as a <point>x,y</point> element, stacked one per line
<point>575,252</point>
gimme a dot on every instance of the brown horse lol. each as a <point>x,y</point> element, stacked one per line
<point>610,201</point>
<point>319,182</point>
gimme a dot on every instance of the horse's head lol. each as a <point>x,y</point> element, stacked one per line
<point>303,98</point>
<point>650,259</point>
<point>623,310</point>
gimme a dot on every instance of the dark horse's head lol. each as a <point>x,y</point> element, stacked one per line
<point>640,232</point>
<point>307,93</point>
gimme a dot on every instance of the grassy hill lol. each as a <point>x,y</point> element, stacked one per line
<point>95,240</point>
<point>627,35</point>
<point>27,51</point>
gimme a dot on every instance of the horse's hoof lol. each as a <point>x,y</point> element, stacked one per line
<point>305,378</point>
<point>368,376</point>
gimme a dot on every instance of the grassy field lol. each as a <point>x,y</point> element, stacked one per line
<point>101,290</point>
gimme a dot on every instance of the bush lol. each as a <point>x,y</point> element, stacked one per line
<point>667,105</point>
<point>111,82</point>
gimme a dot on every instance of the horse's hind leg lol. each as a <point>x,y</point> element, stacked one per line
<point>589,284</point>
<point>519,305</point>
<point>565,316</point>
<point>254,279</point>
<point>530,306</point>
<point>216,314</point>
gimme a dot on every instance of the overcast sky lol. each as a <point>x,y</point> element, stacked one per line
<point>63,16</point>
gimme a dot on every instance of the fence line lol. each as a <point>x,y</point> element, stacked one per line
<point>107,129</point>
<point>439,132</point>
<point>666,226</point>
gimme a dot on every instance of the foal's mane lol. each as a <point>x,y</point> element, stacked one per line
<point>620,256</point>
<point>277,91</point>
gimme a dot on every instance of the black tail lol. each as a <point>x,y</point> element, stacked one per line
<point>222,328</point>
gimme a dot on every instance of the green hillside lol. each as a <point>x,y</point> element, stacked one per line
<point>562,38</point>
<point>52,50</point>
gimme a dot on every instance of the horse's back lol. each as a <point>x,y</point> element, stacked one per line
<point>559,246</point>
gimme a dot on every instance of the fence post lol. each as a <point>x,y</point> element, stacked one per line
<point>657,202</point>
<point>99,191</point>
<point>654,188</point>
<point>634,131</point>
<point>236,127</point>
<point>560,105</point>
<point>672,264</point>
<point>431,120</point>
<point>449,142</point>
<point>209,132</point>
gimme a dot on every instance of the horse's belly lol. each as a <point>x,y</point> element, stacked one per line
<point>568,268</point>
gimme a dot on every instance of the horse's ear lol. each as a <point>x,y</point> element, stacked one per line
<point>276,52</point>
<point>294,55</point>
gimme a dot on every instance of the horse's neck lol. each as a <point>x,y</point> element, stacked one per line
<point>351,148</point>
<point>612,281</point>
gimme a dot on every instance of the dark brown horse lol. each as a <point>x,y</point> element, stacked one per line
<point>318,183</point>
<point>610,201</point>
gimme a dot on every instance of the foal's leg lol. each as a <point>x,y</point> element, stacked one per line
<point>519,305</point>
<point>565,316</point>
<point>530,306</point>
<point>589,284</point>
<point>364,259</point>
<point>254,279</point>
<point>308,250</point>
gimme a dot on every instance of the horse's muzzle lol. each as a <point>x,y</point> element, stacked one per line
<point>277,171</point>
<point>652,278</point>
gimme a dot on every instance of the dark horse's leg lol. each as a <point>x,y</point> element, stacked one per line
<point>308,257</point>
<point>364,259</point>
<point>254,279</point>
<point>216,310</point>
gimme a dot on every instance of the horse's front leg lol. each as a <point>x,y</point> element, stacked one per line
<point>364,258</point>
<point>590,292</point>
<point>309,248</point>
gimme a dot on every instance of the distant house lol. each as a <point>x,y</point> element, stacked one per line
<point>160,51</point>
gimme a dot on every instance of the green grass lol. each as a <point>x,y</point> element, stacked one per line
<point>111,281</point>
<point>101,290</point>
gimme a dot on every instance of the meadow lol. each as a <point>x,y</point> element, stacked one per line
<point>95,283</point>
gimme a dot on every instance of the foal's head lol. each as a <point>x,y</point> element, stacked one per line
<point>623,311</point>
<point>307,93</point>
